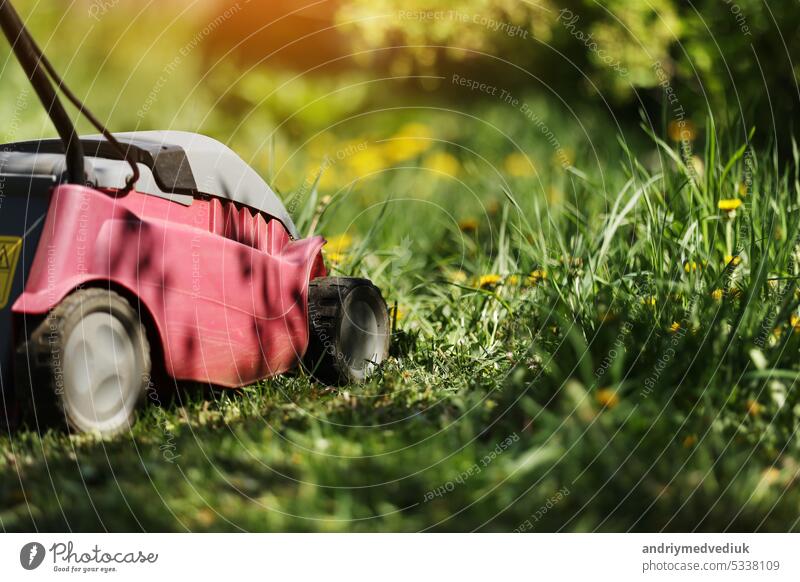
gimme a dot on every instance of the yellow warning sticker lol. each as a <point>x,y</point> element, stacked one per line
<point>9,253</point>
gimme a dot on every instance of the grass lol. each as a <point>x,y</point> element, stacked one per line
<point>627,362</point>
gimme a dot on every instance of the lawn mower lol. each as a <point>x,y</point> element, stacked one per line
<point>122,252</point>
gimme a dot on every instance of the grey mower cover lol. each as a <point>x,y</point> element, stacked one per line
<point>174,165</point>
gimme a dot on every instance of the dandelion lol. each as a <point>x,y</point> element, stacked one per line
<point>607,398</point>
<point>690,266</point>
<point>729,206</point>
<point>468,225</point>
<point>415,129</point>
<point>396,314</point>
<point>717,294</point>
<point>335,258</point>
<point>733,260</point>
<point>442,163</point>
<point>339,243</point>
<point>519,165</point>
<point>489,281</point>
<point>366,162</point>
<point>512,280</point>
<point>410,141</point>
<point>794,321</point>
<point>754,408</point>
<point>537,276</point>
<point>328,179</point>
<point>675,327</point>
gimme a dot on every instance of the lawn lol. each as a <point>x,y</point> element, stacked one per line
<point>592,333</point>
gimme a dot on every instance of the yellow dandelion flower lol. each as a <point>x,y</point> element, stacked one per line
<point>339,243</point>
<point>733,260</point>
<point>675,327</point>
<point>689,441</point>
<point>729,204</point>
<point>396,313</point>
<point>366,162</point>
<point>335,258</point>
<point>717,294</point>
<point>329,179</point>
<point>442,163</point>
<point>794,321</point>
<point>409,142</point>
<point>468,225</point>
<point>488,281</point>
<point>754,408</point>
<point>415,129</point>
<point>691,266</point>
<point>537,276</point>
<point>512,280</point>
<point>519,165</point>
<point>607,398</point>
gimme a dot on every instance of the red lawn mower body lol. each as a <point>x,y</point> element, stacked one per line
<point>225,287</point>
<point>224,284</point>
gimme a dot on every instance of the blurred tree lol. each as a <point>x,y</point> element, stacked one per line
<point>732,56</point>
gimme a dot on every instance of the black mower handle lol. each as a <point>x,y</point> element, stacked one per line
<point>25,51</point>
<point>42,74</point>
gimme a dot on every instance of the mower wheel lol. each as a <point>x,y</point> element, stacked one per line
<point>92,355</point>
<point>349,329</point>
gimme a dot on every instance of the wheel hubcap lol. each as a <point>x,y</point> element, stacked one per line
<point>101,379</point>
<point>363,335</point>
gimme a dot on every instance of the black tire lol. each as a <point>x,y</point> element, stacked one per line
<point>348,329</point>
<point>88,364</point>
